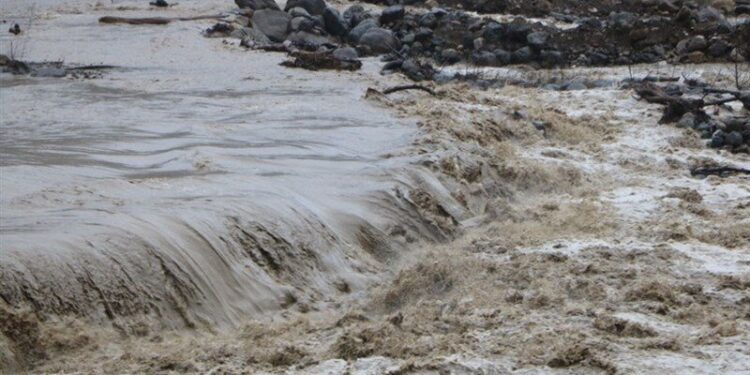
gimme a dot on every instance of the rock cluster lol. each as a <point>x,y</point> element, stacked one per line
<point>680,31</point>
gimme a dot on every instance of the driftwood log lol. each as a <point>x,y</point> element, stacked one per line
<point>676,106</point>
<point>320,61</point>
<point>154,20</point>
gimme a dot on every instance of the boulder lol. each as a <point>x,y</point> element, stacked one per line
<point>622,20</point>
<point>392,14</point>
<point>378,40</point>
<point>314,7</point>
<point>517,32</point>
<point>345,54</point>
<point>299,12</point>
<point>522,55</point>
<point>334,23</point>
<point>551,58</point>
<point>719,48</point>
<point>429,20</point>
<point>484,58</point>
<point>302,24</point>
<point>257,4</point>
<point>733,139</point>
<point>691,44</point>
<point>537,39</point>
<point>450,56</point>
<point>502,56</point>
<point>273,23</point>
<point>354,15</point>
<point>493,32</point>
<point>356,33</point>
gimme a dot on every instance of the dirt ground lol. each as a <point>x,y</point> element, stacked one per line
<point>593,251</point>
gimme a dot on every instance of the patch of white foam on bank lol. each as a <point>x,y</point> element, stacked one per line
<point>716,259</point>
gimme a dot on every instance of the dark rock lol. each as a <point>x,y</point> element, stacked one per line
<point>709,15</point>
<point>517,32</point>
<point>717,140</point>
<point>417,71</point>
<point>537,39</point>
<point>354,15</point>
<point>493,32</point>
<point>335,24</point>
<point>159,3</point>
<point>356,33</point>
<point>423,35</point>
<point>502,56</point>
<point>597,58</point>
<point>719,48</point>
<point>301,24</point>
<point>314,7</point>
<point>684,15</point>
<point>733,139</point>
<point>273,23</point>
<point>691,44</point>
<point>450,56</point>
<point>409,38</point>
<point>257,4</point>
<point>429,20</point>
<point>378,40</point>
<point>345,53</point>
<point>392,14</point>
<point>299,12</point>
<point>622,20</point>
<point>439,12</point>
<point>551,58</point>
<point>522,55</point>
<point>411,69</point>
<point>484,58</point>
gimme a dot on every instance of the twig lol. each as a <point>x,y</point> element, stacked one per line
<point>408,87</point>
<point>718,171</point>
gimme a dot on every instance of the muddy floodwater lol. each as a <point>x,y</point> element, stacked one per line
<point>188,172</point>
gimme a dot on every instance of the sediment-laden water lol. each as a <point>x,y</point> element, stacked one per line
<point>195,183</point>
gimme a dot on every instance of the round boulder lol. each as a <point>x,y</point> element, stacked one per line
<point>314,7</point>
<point>392,14</point>
<point>273,23</point>
<point>378,40</point>
<point>257,4</point>
<point>356,33</point>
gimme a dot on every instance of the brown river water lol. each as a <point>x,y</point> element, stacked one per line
<point>196,183</point>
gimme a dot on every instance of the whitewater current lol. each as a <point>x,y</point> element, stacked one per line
<point>195,183</point>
